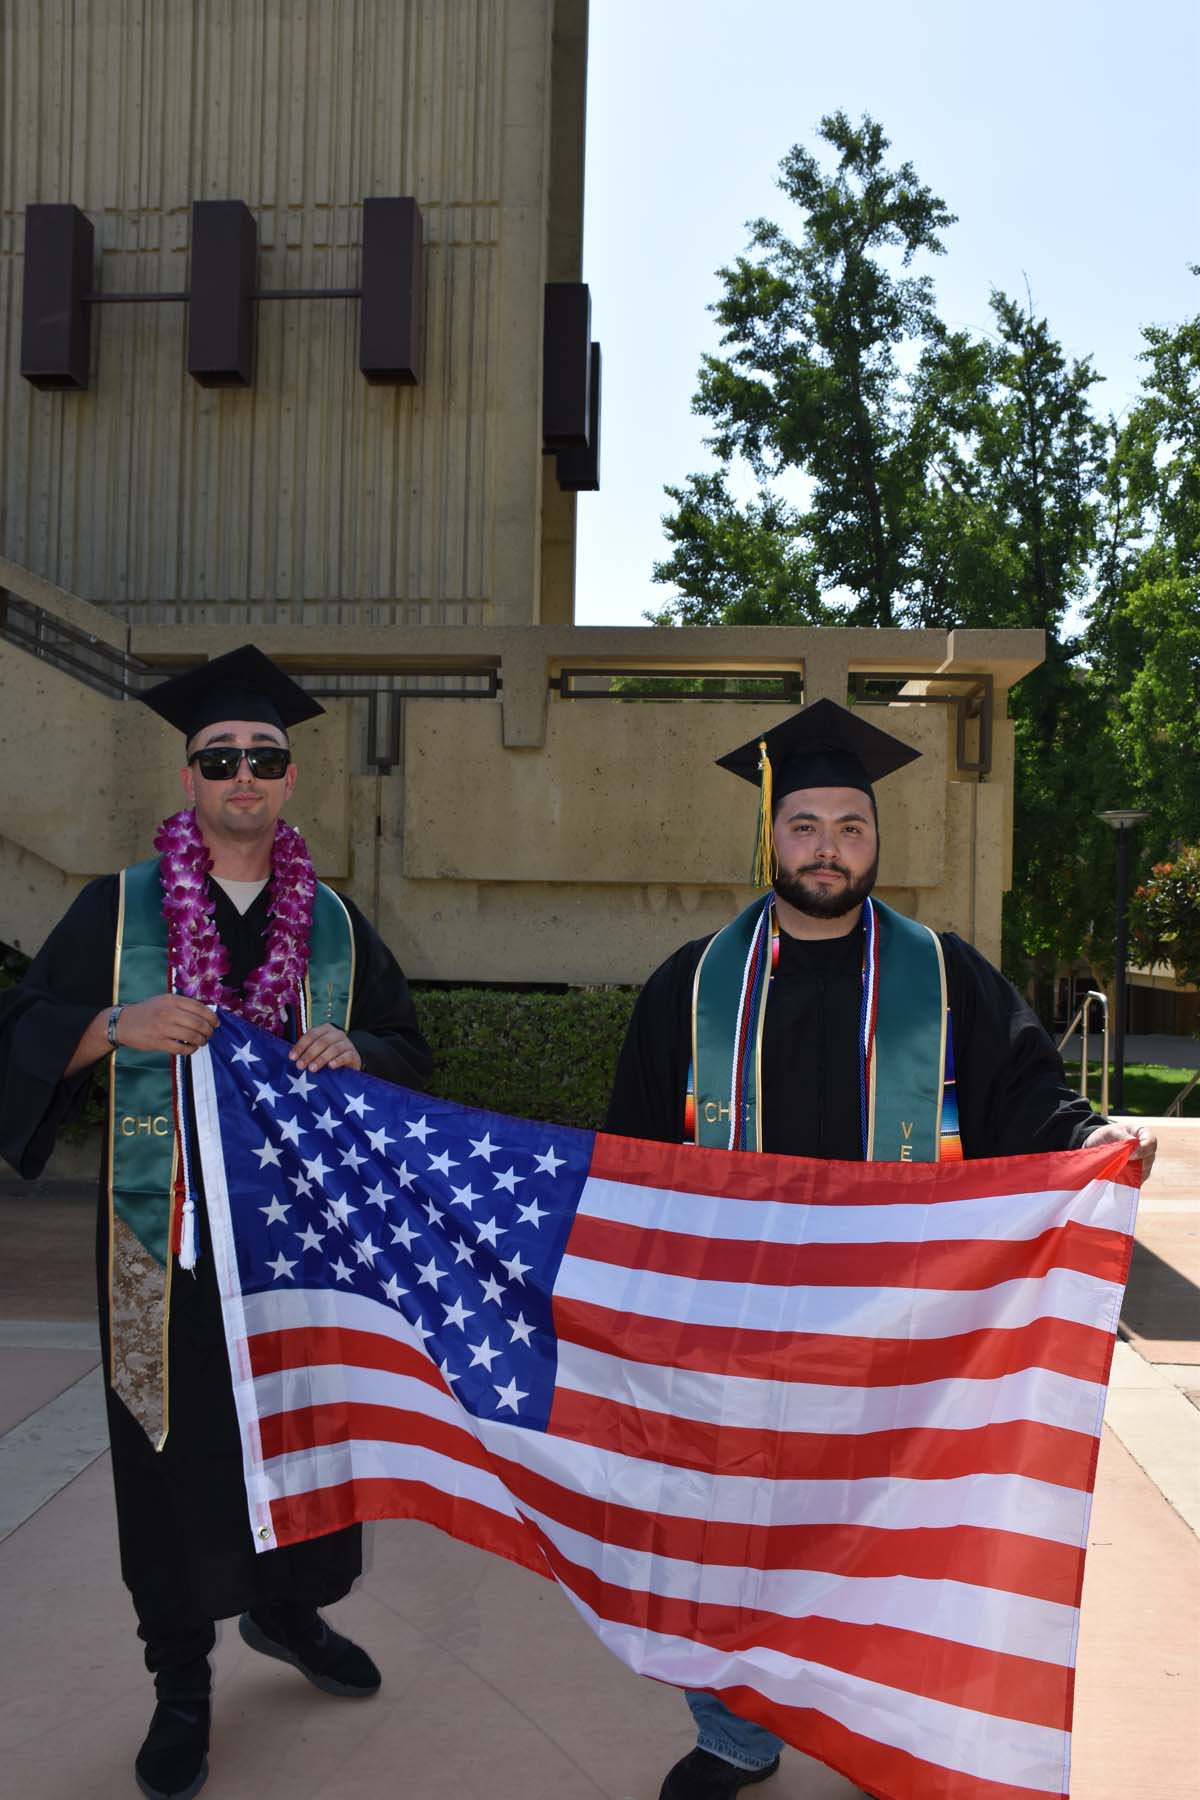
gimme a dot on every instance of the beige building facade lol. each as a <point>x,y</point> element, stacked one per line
<point>511,797</point>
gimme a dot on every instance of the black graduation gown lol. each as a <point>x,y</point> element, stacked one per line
<point>1012,1094</point>
<point>186,1548</point>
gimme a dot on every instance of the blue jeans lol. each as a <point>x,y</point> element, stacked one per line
<point>736,1741</point>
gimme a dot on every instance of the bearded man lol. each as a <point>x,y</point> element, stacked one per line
<point>229,913</point>
<point>822,1023</point>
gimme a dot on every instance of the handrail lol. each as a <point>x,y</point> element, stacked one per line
<point>1081,1020</point>
<point>1175,1110</point>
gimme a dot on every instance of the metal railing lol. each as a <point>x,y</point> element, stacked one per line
<point>1175,1110</point>
<point>1080,1021</point>
<point>121,675</point>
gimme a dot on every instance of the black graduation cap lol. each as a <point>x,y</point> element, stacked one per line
<point>243,684</point>
<point>824,745</point>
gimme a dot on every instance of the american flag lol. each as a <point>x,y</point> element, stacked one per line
<point>817,1437</point>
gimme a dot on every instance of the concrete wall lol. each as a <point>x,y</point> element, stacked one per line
<point>312,494</point>
<point>527,837</point>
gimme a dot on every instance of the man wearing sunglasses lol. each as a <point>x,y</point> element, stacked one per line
<point>229,913</point>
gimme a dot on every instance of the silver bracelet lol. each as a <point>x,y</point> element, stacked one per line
<point>111,1028</point>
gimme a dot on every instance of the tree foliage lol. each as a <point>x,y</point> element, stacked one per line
<point>959,480</point>
<point>1165,915</point>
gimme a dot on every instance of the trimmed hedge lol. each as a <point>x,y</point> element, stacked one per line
<point>540,1056</point>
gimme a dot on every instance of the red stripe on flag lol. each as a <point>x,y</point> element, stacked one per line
<point>1005,1686</point>
<point>1059,1344</point>
<point>978,1555</point>
<point>876,1768</point>
<point>297,1517</point>
<point>305,1427</point>
<point>310,1346</point>
<point>1022,1447</point>
<point>754,1175</point>
<point>947,1264</point>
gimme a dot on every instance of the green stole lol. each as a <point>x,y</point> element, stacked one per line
<point>902,1045</point>
<point>143,1143</point>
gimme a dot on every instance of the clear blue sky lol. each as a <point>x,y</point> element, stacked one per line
<point>1064,135</point>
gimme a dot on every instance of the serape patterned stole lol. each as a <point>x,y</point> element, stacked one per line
<point>906,1056</point>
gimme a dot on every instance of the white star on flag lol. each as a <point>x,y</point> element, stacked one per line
<point>533,1214</point>
<point>326,1122</point>
<point>276,1213</point>
<point>245,1055</point>
<point>404,1176</point>
<point>310,1238</point>
<point>281,1267</point>
<point>393,1290</point>
<point>341,1209</point>
<point>430,1274</point>
<point>365,1250</point>
<point>353,1158</point>
<point>265,1094</point>
<point>464,1253</point>
<point>442,1163</point>
<point>462,1196</point>
<point>507,1179</point>
<point>482,1355</point>
<point>316,1171</point>
<point>492,1290</point>
<point>301,1084</point>
<point>549,1164</point>
<point>357,1103</point>
<point>268,1154</point>
<point>516,1268</point>
<point>510,1394</point>
<point>417,1128</point>
<point>457,1314</point>
<point>379,1141</point>
<point>302,1185</point>
<point>403,1233</point>
<point>341,1271</point>
<point>378,1196</point>
<point>483,1146</point>
<point>433,1213</point>
<point>488,1231</point>
<point>520,1329</point>
<point>290,1132</point>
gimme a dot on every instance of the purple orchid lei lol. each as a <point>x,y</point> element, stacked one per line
<point>199,960</point>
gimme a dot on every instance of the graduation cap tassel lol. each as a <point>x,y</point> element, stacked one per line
<point>764,854</point>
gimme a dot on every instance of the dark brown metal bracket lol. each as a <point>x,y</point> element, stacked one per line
<point>122,676</point>
<point>222,298</point>
<point>788,682</point>
<point>571,386</point>
<point>974,701</point>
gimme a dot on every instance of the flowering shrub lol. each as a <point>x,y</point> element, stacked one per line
<point>1165,915</point>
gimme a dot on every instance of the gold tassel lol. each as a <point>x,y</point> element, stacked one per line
<point>764,853</point>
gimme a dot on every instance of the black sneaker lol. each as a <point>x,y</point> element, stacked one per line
<point>330,1661</point>
<point>172,1764</point>
<point>703,1776</point>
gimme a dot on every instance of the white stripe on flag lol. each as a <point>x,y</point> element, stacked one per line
<point>751,1404</point>
<point>364,1459</point>
<point>955,1737</point>
<point>1108,1205</point>
<point>885,1312</point>
<point>961,1612</point>
<point>1005,1502</point>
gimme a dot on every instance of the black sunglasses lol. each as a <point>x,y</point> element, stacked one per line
<point>221,762</point>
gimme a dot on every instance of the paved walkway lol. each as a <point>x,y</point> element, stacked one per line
<point>495,1690</point>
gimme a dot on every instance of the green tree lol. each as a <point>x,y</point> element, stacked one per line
<point>1165,914</point>
<point>1145,631</point>
<point>813,383</point>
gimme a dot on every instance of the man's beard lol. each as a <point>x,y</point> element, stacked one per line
<point>822,902</point>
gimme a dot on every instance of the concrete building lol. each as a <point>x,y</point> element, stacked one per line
<point>395,524</point>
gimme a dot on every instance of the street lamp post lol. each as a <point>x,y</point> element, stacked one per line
<point>1122,820</point>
